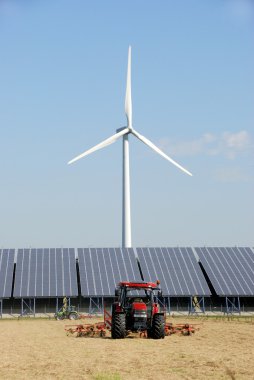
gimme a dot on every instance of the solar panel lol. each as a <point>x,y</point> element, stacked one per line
<point>101,269</point>
<point>32,273</point>
<point>230,270</point>
<point>176,268</point>
<point>52,271</point>
<point>6,272</point>
<point>45,272</point>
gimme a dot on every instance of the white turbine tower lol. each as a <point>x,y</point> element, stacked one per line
<point>124,132</point>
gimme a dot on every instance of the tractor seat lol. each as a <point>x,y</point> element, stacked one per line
<point>137,300</point>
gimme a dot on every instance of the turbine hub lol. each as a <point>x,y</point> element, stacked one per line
<point>122,128</point>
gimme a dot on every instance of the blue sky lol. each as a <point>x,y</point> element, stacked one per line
<point>62,87</point>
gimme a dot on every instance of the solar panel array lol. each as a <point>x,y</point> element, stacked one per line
<point>230,270</point>
<point>46,272</point>
<point>176,268</point>
<point>6,272</point>
<point>102,268</point>
<point>52,272</point>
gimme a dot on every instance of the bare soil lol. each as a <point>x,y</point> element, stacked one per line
<point>40,349</point>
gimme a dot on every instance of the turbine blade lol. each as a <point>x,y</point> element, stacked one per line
<point>101,145</point>
<point>128,102</point>
<point>157,150</point>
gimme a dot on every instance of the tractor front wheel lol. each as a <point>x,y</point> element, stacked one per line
<point>158,327</point>
<point>118,328</point>
<point>59,317</point>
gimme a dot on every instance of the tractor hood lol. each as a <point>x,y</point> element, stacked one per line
<point>139,306</point>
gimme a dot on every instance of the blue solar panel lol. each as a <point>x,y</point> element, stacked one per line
<point>25,268</point>
<point>59,272</point>
<point>101,269</point>
<point>38,278</point>
<point>6,272</point>
<point>52,272</point>
<point>111,280</point>
<point>230,270</point>
<point>45,273</point>
<point>32,272</point>
<point>176,268</point>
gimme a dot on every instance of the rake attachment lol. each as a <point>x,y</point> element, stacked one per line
<point>183,329</point>
<point>100,329</point>
<point>87,330</point>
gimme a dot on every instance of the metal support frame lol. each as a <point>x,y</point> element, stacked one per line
<point>27,307</point>
<point>197,305</point>
<point>168,305</point>
<point>232,305</point>
<point>181,310</point>
<point>96,305</point>
<point>1,308</point>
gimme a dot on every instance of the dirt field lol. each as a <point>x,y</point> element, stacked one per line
<point>40,349</point>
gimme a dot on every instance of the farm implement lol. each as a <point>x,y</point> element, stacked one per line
<point>98,329</point>
<point>135,311</point>
<point>183,329</point>
<point>92,330</point>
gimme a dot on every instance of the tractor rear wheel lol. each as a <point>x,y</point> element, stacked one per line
<point>118,328</point>
<point>158,327</point>
<point>73,316</point>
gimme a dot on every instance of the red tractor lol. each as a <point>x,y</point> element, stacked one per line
<point>137,310</point>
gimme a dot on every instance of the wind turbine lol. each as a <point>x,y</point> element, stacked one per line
<point>124,133</point>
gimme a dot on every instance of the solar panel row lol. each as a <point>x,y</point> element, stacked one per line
<point>52,272</point>
<point>177,269</point>
<point>102,268</point>
<point>47,272</point>
<point>6,272</point>
<point>230,270</point>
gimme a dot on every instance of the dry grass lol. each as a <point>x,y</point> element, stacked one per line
<point>40,349</point>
